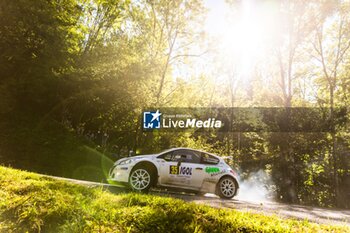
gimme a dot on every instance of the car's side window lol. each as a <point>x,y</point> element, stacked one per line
<point>209,159</point>
<point>186,156</point>
<point>166,156</point>
<point>179,157</point>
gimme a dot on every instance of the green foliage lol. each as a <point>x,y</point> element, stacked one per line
<point>50,148</point>
<point>34,203</point>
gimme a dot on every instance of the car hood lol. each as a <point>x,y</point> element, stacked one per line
<point>137,157</point>
<point>143,156</point>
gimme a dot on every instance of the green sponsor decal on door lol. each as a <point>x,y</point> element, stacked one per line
<point>212,170</point>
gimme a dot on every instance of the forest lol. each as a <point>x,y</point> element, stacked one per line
<point>76,76</point>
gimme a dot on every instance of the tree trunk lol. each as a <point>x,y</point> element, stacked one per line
<point>333,147</point>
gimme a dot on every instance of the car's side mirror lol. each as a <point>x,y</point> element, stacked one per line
<point>131,153</point>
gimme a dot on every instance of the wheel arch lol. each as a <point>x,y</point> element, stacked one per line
<point>234,179</point>
<point>150,165</point>
<point>231,176</point>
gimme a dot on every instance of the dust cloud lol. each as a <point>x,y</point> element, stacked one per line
<point>256,187</point>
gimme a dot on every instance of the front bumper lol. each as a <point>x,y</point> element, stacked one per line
<point>119,173</point>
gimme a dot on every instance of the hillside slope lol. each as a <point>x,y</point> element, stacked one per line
<point>35,203</point>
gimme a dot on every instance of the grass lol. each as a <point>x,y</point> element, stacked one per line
<point>35,203</point>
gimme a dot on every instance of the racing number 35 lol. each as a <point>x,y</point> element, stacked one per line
<point>174,170</point>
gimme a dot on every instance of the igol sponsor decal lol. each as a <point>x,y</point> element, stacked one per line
<point>185,171</point>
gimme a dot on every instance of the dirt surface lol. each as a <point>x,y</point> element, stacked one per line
<point>312,214</point>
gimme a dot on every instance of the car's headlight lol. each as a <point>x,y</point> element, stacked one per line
<point>124,162</point>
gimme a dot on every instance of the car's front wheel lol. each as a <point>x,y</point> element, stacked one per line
<point>227,187</point>
<point>140,179</point>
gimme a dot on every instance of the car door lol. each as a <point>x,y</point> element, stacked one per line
<point>198,172</point>
<point>171,171</point>
<point>183,170</point>
<point>165,162</point>
<point>207,170</point>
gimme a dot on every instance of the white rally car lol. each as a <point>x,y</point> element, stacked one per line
<point>179,168</point>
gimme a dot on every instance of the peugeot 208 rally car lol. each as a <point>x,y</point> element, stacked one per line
<point>179,168</point>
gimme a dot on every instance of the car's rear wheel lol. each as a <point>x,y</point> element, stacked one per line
<point>227,187</point>
<point>140,179</point>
